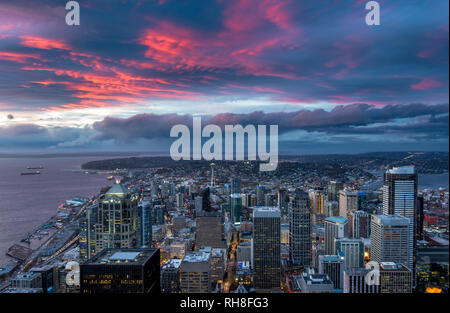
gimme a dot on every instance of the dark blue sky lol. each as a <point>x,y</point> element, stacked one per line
<point>134,68</point>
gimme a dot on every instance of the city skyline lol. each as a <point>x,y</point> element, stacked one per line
<point>131,70</point>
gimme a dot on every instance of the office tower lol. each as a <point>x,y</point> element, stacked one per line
<point>311,282</point>
<point>348,202</point>
<point>206,200</point>
<point>361,222</point>
<point>170,276</point>
<point>333,190</point>
<point>209,230</point>
<point>145,224</point>
<point>317,201</point>
<point>196,272</point>
<point>285,233</point>
<point>218,262</point>
<point>282,200</point>
<point>158,214</point>
<point>116,221</point>
<point>236,207</point>
<point>400,197</point>
<point>362,201</point>
<point>300,240</point>
<point>355,281</point>
<point>270,199</point>
<point>353,250</point>
<point>122,271</point>
<point>389,239</point>
<point>235,186</point>
<point>335,227</point>
<point>419,218</point>
<point>260,191</point>
<point>333,266</point>
<point>253,200</point>
<point>179,199</point>
<point>198,204</point>
<point>331,208</point>
<point>266,248</point>
<point>395,278</point>
<point>318,248</point>
<point>245,200</point>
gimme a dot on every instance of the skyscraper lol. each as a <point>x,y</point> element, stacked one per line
<point>121,271</point>
<point>355,281</point>
<point>333,266</point>
<point>236,207</point>
<point>335,227</point>
<point>400,197</point>
<point>300,240</point>
<point>235,185</point>
<point>333,190</point>
<point>389,239</point>
<point>117,220</point>
<point>266,248</point>
<point>170,276</point>
<point>209,230</point>
<point>353,250</point>
<point>361,223</point>
<point>145,224</point>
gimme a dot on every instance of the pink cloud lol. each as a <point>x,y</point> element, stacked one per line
<point>426,84</point>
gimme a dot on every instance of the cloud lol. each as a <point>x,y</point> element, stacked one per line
<point>341,119</point>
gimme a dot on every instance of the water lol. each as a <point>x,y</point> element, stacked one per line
<point>28,201</point>
<point>425,181</point>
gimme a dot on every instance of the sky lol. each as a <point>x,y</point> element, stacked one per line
<point>133,69</point>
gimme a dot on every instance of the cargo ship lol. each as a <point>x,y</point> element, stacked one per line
<point>31,173</point>
<point>35,167</point>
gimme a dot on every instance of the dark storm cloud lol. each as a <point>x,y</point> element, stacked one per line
<point>340,120</point>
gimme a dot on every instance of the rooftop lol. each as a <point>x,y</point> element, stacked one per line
<point>391,220</point>
<point>196,257</point>
<point>337,219</point>
<point>402,170</point>
<point>121,256</point>
<point>117,190</point>
<point>266,212</point>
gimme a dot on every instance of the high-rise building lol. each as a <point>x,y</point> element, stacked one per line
<point>333,266</point>
<point>361,224</point>
<point>317,201</point>
<point>260,192</point>
<point>300,241</point>
<point>235,185</point>
<point>419,218</point>
<point>218,262</point>
<point>121,271</point>
<point>333,190</point>
<point>196,272</point>
<point>236,207</point>
<point>353,250</point>
<point>179,199</point>
<point>145,224</point>
<point>395,278</point>
<point>209,230</point>
<point>283,200</point>
<point>266,248</point>
<point>389,239</point>
<point>170,276</point>
<point>400,197</point>
<point>116,221</point>
<point>355,281</point>
<point>335,227</point>
<point>348,203</point>
<point>198,204</point>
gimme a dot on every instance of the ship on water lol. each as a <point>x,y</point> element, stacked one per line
<point>31,173</point>
<point>35,167</point>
